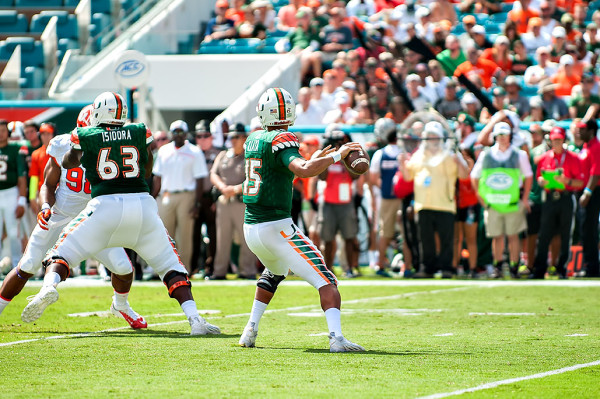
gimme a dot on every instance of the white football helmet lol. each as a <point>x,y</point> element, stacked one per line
<point>109,109</point>
<point>383,128</point>
<point>83,120</point>
<point>276,107</point>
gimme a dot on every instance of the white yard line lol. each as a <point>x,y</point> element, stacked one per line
<point>293,308</point>
<point>512,380</point>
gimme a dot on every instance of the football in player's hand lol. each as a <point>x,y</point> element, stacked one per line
<point>357,161</point>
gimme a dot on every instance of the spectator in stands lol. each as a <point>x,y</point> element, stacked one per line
<point>161,138</point>
<point>520,59</point>
<point>360,8</point>
<point>178,171</point>
<point>227,175</point>
<point>510,31</point>
<point>443,9</point>
<point>547,9</point>
<point>335,36</point>
<point>220,27</point>
<point>288,15</point>
<point>39,158</point>
<point>336,211</point>
<point>558,207</point>
<point>514,97</point>
<point>591,39</point>
<point>264,14</point>
<point>522,15</point>
<point>379,98</point>
<point>237,12</point>
<point>536,110</point>
<point>584,58</point>
<point>480,6</point>
<point>452,57</point>
<point>468,22</point>
<point>590,199</point>
<point>251,26</point>
<point>480,38</point>
<point>559,43</point>
<point>554,107</point>
<point>207,211</point>
<point>434,172</point>
<point>534,38</point>
<point>331,83</point>
<point>305,39</point>
<point>543,70</point>
<point>579,17</point>
<point>499,54</point>
<point>397,110</point>
<point>471,105</point>
<point>413,89</point>
<point>567,22</point>
<point>343,113</point>
<point>475,65</point>
<point>565,79</point>
<point>31,130</point>
<point>449,106</point>
<point>580,102</point>
<point>437,78</point>
<point>308,112</point>
<point>339,67</point>
<point>505,208</point>
<point>325,102</point>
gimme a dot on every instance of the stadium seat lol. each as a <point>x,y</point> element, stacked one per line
<point>244,46</point>
<point>63,46</point>
<point>33,77</point>
<point>71,3</point>
<point>499,17</point>
<point>39,3</point>
<point>506,7</point>
<point>99,22</point>
<point>529,91</point>
<point>214,47</point>
<point>102,6</point>
<point>6,3</point>
<point>12,22</point>
<point>65,28</point>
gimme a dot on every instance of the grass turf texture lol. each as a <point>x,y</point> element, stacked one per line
<point>405,358</point>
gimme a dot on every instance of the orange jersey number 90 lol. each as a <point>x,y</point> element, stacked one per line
<point>76,181</point>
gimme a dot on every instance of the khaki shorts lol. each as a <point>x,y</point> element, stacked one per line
<point>500,224</point>
<point>388,214</point>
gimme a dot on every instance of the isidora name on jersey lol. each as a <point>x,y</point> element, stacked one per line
<point>268,184</point>
<point>114,157</point>
<point>74,190</point>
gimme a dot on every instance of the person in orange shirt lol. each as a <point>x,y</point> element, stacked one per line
<point>499,54</point>
<point>521,17</point>
<point>477,66</point>
<point>236,13</point>
<point>39,158</point>
<point>567,21</point>
<point>565,78</point>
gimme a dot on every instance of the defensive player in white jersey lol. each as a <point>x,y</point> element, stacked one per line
<point>64,194</point>
<point>272,160</point>
<point>121,213</point>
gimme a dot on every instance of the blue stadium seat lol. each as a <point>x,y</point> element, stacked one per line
<point>214,47</point>
<point>103,6</point>
<point>99,22</point>
<point>12,22</point>
<point>63,46</point>
<point>65,28</point>
<point>499,17</point>
<point>32,53</point>
<point>71,3</point>
<point>244,46</point>
<point>529,91</point>
<point>39,3</point>
<point>6,3</point>
<point>34,77</point>
<point>506,7</point>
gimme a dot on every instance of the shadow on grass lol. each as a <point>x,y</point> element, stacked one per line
<point>128,333</point>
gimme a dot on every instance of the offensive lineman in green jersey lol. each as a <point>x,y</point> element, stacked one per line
<point>121,213</point>
<point>272,160</point>
<point>13,188</point>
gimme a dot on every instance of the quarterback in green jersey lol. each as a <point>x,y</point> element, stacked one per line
<point>122,213</point>
<point>272,160</point>
<point>13,188</point>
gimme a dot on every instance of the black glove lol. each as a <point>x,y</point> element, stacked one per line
<point>313,204</point>
<point>357,199</point>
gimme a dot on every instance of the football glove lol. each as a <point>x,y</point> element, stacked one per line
<point>43,217</point>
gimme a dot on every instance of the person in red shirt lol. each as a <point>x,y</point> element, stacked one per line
<point>39,158</point>
<point>477,66</point>
<point>590,198</point>
<point>558,201</point>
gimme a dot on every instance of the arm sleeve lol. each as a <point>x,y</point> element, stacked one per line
<point>200,169</point>
<point>524,164</point>
<point>75,140</point>
<point>287,156</point>
<point>376,161</point>
<point>157,168</point>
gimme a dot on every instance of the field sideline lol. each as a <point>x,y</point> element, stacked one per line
<point>433,338</point>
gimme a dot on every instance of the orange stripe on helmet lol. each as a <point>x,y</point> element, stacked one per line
<point>281,103</point>
<point>119,106</point>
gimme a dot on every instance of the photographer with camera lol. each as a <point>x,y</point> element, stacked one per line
<point>559,173</point>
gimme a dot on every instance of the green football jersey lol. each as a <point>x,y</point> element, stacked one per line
<point>12,165</point>
<point>268,184</point>
<point>114,158</point>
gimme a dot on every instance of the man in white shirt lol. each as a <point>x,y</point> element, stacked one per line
<point>543,70</point>
<point>535,38</point>
<point>178,172</point>
<point>325,102</point>
<point>307,112</point>
<point>343,113</point>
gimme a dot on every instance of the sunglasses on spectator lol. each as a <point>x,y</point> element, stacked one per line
<point>203,135</point>
<point>178,131</point>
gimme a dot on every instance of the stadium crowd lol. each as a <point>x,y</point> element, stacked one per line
<point>484,115</point>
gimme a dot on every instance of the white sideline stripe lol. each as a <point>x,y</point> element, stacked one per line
<point>577,335</point>
<point>512,380</point>
<point>444,335</point>
<point>500,314</point>
<point>408,294</point>
<point>107,313</point>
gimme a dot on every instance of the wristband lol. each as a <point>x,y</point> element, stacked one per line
<point>336,156</point>
<point>22,201</point>
<point>587,190</point>
<point>45,205</point>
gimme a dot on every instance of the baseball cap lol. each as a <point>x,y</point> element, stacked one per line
<point>559,31</point>
<point>435,128</point>
<point>178,125</point>
<point>498,91</point>
<point>316,82</point>
<point>222,3</point>
<point>558,132</point>
<point>590,124</point>
<point>591,26</point>
<point>469,19</point>
<point>501,128</point>
<point>566,18</point>
<point>511,80</point>
<point>311,140</point>
<point>548,125</point>
<point>566,59</point>
<point>238,130</point>
<point>341,97</point>
<point>535,21</point>
<point>413,77</point>
<point>348,84</point>
<point>478,29</point>
<point>330,72</point>
<point>47,128</point>
<point>466,119</point>
<point>203,126</point>
<point>469,98</point>
<point>501,39</point>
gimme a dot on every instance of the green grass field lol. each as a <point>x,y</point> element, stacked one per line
<point>424,339</point>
